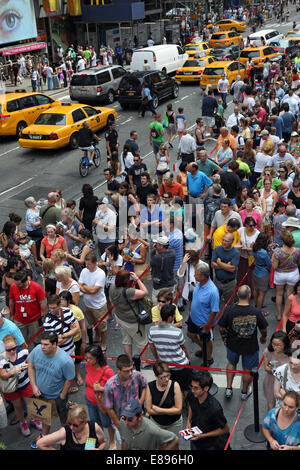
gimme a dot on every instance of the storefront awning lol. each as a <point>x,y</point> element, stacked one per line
<point>34,46</point>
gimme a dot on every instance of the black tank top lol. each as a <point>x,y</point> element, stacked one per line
<point>198,143</point>
<point>71,445</point>
<point>169,402</point>
<point>171,117</point>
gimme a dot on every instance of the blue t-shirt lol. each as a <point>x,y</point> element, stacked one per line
<point>209,105</point>
<point>51,372</point>
<point>289,436</point>
<point>176,243</point>
<point>288,121</point>
<point>263,263</point>
<point>9,328</point>
<point>146,216</point>
<point>206,299</point>
<point>232,255</point>
<point>196,186</point>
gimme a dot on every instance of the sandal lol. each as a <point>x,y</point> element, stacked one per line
<point>265,314</point>
<point>74,390</point>
<point>71,404</point>
<point>13,421</point>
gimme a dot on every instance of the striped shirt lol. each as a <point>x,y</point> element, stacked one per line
<point>167,340</point>
<point>22,354</point>
<point>54,323</point>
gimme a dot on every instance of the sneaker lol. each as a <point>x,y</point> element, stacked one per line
<point>117,326</point>
<point>24,428</point>
<point>91,163</point>
<point>244,396</point>
<point>34,444</point>
<point>37,424</point>
<point>228,392</point>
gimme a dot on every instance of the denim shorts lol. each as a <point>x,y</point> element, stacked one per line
<point>249,361</point>
<point>155,146</point>
<point>95,414</point>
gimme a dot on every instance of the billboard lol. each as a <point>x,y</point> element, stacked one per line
<point>17,21</point>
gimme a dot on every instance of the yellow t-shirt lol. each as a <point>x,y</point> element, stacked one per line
<point>219,234</point>
<point>156,314</point>
<point>78,314</point>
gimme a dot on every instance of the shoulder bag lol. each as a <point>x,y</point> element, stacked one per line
<point>9,385</point>
<point>143,316</point>
<point>99,395</point>
<point>163,398</point>
<point>140,268</point>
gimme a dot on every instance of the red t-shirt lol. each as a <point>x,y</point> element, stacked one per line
<point>93,376</point>
<point>27,302</point>
<point>262,114</point>
<point>49,248</point>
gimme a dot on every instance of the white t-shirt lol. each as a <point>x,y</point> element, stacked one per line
<point>49,71</point>
<point>262,161</point>
<point>95,278</point>
<point>107,218</point>
<point>128,160</point>
<point>150,43</point>
<point>110,277</point>
<point>81,64</point>
<point>251,102</point>
<point>223,85</point>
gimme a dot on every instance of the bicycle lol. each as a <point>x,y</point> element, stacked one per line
<point>85,164</point>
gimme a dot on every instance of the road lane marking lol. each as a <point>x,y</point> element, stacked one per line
<point>8,151</point>
<point>17,186</point>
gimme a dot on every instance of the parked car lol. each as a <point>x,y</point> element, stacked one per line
<point>225,52</point>
<point>165,57</point>
<point>96,84</point>
<point>286,46</point>
<point>131,86</point>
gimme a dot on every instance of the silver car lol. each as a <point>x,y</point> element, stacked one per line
<point>96,84</point>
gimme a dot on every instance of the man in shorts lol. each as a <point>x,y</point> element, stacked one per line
<point>85,140</point>
<point>209,107</point>
<point>92,284</point>
<point>238,327</point>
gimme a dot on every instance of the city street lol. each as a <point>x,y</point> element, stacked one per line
<point>34,173</point>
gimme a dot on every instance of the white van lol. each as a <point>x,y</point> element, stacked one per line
<point>165,57</point>
<point>268,35</point>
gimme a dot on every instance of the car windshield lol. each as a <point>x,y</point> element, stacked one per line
<point>194,63</point>
<point>250,54</point>
<point>218,36</point>
<point>293,33</point>
<point>193,48</point>
<point>51,119</point>
<point>131,83</point>
<point>213,71</point>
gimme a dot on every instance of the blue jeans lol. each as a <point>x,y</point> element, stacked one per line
<point>223,96</point>
<point>96,415</point>
<point>50,83</point>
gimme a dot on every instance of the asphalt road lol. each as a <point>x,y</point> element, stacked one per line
<point>25,172</point>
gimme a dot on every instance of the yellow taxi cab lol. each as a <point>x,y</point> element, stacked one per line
<point>225,38</point>
<point>193,68</point>
<point>258,55</point>
<point>21,108</point>
<point>294,35</point>
<point>213,72</point>
<point>228,24</point>
<point>192,49</point>
<point>59,126</point>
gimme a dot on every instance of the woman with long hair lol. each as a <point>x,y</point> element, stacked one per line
<point>269,198</point>
<point>239,202</point>
<point>88,206</point>
<point>248,235</point>
<point>262,268</point>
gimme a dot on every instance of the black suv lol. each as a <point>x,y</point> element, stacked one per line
<point>225,52</point>
<point>131,85</point>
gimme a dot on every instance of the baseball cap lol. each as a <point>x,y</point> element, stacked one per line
<point>131,408</point>
<point>102,200</point>
<point>264,132</point>
<point>162,240</point>
<point>294,134</point>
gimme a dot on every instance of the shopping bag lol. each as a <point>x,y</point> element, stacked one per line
<point>41,409</point>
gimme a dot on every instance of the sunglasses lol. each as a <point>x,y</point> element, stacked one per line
<point>75,425</point>
<point>11,349</point>
<point>162,301</point>
<point>251,225</point>
<point>255,192</point>
<point>127,419</point>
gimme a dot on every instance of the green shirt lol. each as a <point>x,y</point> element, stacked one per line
<point>87,54</point>
<point>208,167</point>
<point>243,166</point>
<point>159,128</point>
<point>148,437</point>
<point>296,237</point>
<point>275,184</point>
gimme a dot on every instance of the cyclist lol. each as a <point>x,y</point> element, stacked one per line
<point>85,140</point>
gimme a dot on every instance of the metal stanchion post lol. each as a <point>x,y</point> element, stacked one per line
<point>137,362</point>
<point>214,388</point>
<point>253,431</point>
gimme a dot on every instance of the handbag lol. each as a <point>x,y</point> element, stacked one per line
<point>251,259</point>
<point>162,166</point>
<point>99,395</point>
<point>9,385</point>
<point>144,317</point>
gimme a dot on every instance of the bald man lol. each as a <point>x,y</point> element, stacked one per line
<point>49,213</point>
<point>224,261</point>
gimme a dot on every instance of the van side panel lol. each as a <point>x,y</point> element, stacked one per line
<point>138,58</point>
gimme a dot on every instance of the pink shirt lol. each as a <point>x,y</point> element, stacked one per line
<point>294,315</point>
<point>255,215</point>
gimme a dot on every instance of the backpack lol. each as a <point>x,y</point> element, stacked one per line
<point>154,133</point>
<point>211,206</point>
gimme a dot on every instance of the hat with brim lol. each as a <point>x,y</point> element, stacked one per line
<point>131,409</point>
<point>102,200</point>
<point>291,222</point>
<point>264,132</point>
<point>162,240</point>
